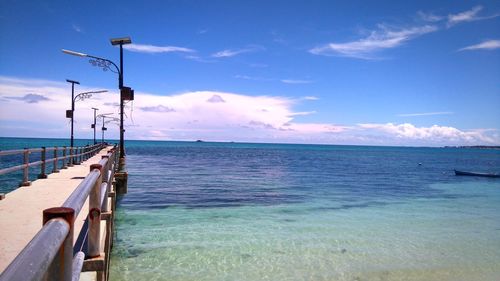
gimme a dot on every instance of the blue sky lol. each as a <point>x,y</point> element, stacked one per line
<point>355,72</point>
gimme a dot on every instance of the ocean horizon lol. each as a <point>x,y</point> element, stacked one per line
<point>246,211</point>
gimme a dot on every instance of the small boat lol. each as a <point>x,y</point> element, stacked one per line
<point>474,174</point>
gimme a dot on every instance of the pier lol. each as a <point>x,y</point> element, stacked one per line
<point>60,226</point>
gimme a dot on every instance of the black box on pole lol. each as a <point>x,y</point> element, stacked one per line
<point>127,93</point>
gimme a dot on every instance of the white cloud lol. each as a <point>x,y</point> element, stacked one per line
<point>486,45</point>
<point>385,37</point>
<point>380,39</point>
<point>466,16</point>
<point>156,49</point>
<point>219,115</point>
<point>310,98</point>
<point>46,118</point>
<point>231,53</point>
<point>303,113</point>
<point>432,135</point>
<point>429,17</point>
<point>199,59</point>
<point>425,114</point>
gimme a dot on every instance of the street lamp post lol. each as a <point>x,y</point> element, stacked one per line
<point>126,93</point>
<point>80,96</point>
<point>121,42</point>
<point>103,128</point>
<point>72,106</point>
<point>105,64</point>
<point>93,125</point>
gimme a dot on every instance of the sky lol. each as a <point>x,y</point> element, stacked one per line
<point>411,73</point>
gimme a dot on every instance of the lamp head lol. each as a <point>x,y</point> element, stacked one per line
<point>120,41</point>
<point>73,53</point>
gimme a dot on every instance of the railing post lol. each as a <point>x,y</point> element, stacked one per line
<point>43,157</point>
<point>70,161</point>
<point>64,159</point>
<point>76,156</point>
<point>94,236</point>
<point>81,155</point>
<point>54,168</point>
<point>61,267</point>
<point>116,154</point>
<point>105,176</point>
<point>26,177</point>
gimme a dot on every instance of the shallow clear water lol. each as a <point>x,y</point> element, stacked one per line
<point>204,211</point>
<point>225,211</point>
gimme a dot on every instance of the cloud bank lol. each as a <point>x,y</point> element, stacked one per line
<point>439,134</point>
<point>207,115</point>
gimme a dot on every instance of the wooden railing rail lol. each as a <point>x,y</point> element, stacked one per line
<point>67,159</point>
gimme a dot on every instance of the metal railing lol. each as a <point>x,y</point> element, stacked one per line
<point>49,255</point>
<point>70,156</point>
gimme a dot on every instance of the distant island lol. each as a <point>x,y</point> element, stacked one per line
<point>476,146</point>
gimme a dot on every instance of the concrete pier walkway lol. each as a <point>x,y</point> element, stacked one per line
<point>21,210</point>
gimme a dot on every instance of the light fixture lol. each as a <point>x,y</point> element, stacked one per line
<point>120,41</point>
<point>78,54</point>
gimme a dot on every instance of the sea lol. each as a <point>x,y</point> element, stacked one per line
<point>243,211</point>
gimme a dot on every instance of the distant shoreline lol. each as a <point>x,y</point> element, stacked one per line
<point>111,140</point>
<point>476,147</point>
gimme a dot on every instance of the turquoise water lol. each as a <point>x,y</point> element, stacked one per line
<point>213,211</point>
<point>11,181</point>
<point>230,211</point>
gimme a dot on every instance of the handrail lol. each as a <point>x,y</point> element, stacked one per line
<point>20,151</point>
<point>73,156</point>
<point>49,253</point>
<point>35,259</point>
<point>76,200</point>
<point>11,152</point>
